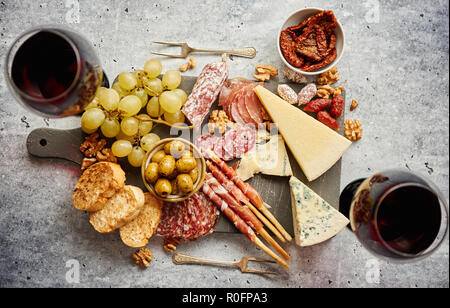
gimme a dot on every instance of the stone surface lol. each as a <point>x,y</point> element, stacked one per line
<point>396,64</point>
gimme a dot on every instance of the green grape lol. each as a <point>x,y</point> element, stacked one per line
<point>92,118</point>
<point>122,136</point>
<point>153,68</point>
<point>122,93</point>
<point>153,108</point>
<point>130,126</point>
<point>171,79</point>
<point>127,81</point>
<point>100,90</point>
<point>139,74</point>
<point>182,95</point>
<point>170,102</point>
<point>143,96</point>
<point>121,148</point>
<point>136,157</point>
<point>148,141</point>
<point>172,118</point>
<point>153,86</point>
<point>87,130</point>
<point>129,106</point>
<point>92,104</point>
<point>109,99</point>
<point>110,128</point>
<point>145,124</point>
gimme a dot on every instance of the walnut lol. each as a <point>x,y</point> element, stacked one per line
<point>170,244</point>
<point>142,257</point>
<point>327,91</point>
<point>91,146</point>
<point>353,105</point>
<point>338,90</point>
<point>267,69</point>
<point>329,77</point>
<point>219,121</point>
<point>262,77</point>
<point>190,64</point>
<point>353,129</point>
<point>106,155</point>
<point>87,162</point>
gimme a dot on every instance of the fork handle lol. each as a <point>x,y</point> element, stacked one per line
<point>180,258</point>
<point>247,52</point>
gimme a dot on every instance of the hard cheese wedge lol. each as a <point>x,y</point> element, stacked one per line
<point>315,146</point>
<point>269,158</point>
<point>315,221</point>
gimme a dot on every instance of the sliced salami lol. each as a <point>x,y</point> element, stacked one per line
<point>206,142</point>
<point>220,150</point>
<point>189,219</point>
<point>245,140</point>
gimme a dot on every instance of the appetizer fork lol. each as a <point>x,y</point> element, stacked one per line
<point>247,52</point>
<point>180,258</point>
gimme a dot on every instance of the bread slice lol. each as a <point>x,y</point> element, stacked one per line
<point>137,232</point>
<point>96,185</point>
<point>122,208</point>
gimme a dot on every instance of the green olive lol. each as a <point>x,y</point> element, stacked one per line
<point>184,183</point>
<point>173,175</point>
<point>186,153</point>
<point>151,173</point>
<point>174,148</point>
<point>186,164</point>
<point>158,156</point>
<point>166,166</point>
<point>194,174</point>
<point>163,188</point>
<point>174,187</point>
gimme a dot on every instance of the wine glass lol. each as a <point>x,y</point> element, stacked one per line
<point>53,71</point>
<point>396,214</point>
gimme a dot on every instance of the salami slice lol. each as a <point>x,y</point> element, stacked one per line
<point>206,142</point>
<point>188,219</point>
<point>220,150</point>
<point>205,91</point>
<point>244,141</point>
<point>254,107</point>
<point>228,87</point>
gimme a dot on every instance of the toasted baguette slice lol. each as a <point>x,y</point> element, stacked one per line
<point>137,232</point>
<point>122,208</point>
<point>96,185</point>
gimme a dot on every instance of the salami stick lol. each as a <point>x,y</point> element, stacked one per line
<point>240,224</point>
<point>245,213</point>
<point>239,195</point>
<point>250,192</point>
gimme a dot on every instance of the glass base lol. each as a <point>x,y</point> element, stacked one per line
<point>346,197</point>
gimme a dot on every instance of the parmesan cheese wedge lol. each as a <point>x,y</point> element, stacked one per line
<point>315,146</point>
<point>315,221</point>
<point>269,158</point>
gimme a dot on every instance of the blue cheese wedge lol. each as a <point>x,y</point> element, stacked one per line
<point>315,221</point>
<point>269,158</point>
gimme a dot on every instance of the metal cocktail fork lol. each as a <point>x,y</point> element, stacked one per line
<point>247,52</point>
<point>180,258</point>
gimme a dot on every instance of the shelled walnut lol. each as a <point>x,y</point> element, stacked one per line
<point>326,91</point>
<point>170,245</point>
<point>353,129</point>
<point>107,155</point>
<point>219,121</point>
<point>329,77</point>
<point>91,145</point>
<point>142,257</point>
<point>353,105</point>
<point>190,64</point>
<point>265,71</point>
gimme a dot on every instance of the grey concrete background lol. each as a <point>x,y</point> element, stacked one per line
<point>395,64</point>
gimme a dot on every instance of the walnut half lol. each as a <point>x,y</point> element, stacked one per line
<point>329,77</point>
<point>143,257</point>
<point>353,129</point>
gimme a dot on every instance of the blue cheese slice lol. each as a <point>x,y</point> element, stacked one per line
<point>315,221</point>
<point>269,158</point>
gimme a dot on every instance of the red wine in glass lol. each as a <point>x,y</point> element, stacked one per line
<point>396,214</point>
<point>53,71</point>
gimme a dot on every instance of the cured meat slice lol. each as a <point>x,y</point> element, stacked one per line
<point>220,150</point>
<point>229,86</point>
<point>254,107</point>
<point>234,108</point>
<point>206,142</point>
<point>205,91</point>
<point>242,109</point>
<point>244,141</point>
<point>189,219</point>
<point>231,99</point>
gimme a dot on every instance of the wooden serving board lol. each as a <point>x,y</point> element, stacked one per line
<point>64,144</point>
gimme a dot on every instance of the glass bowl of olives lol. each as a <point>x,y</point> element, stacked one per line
<point>173,170</point>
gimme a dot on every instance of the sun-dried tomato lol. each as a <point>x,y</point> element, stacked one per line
<point>325,118</point>
<point>317,105</point>
<point>337,106</point>
<point>287,47</point>
<point>330,58</point>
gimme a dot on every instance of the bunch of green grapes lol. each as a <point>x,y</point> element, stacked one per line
<point>116,111</point>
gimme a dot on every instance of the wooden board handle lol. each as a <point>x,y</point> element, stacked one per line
<point>56,143</point>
